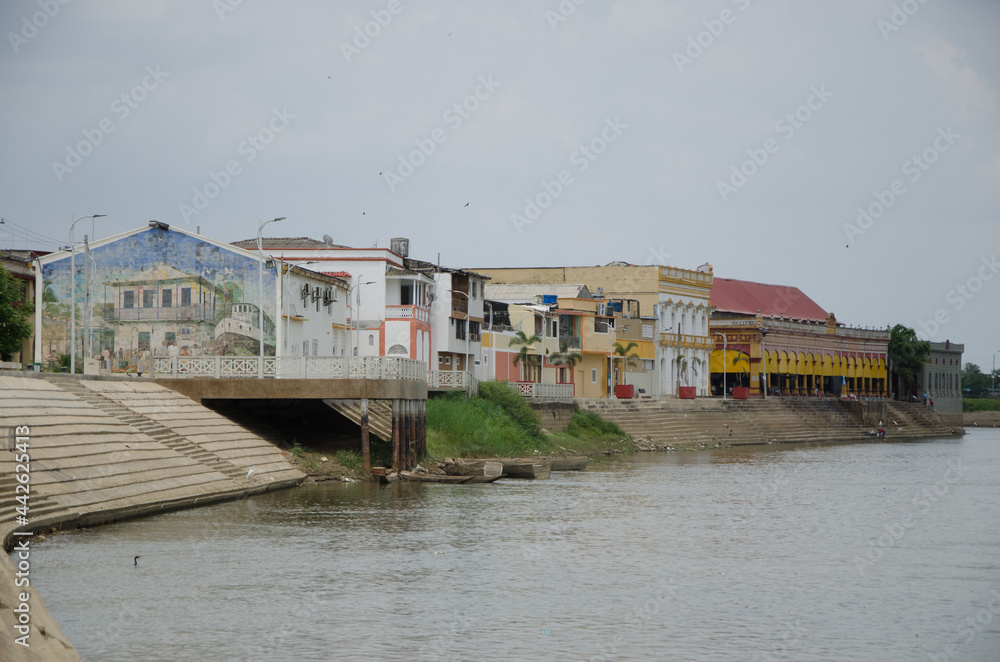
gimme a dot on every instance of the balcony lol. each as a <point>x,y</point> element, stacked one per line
<point>406,313</point>
<point>159,313</point>
<point>459,305</point>
<point>571,342</point>
<point>690,342</point>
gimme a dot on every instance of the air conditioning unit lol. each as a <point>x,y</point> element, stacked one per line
<point>328,296</point>
<point>537,300</point>
<point>315,293</point>
<point>602,309</point>
<point>305,291</point>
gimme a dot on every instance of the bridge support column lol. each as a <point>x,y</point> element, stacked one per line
<point>421,427</point>
<point>396,464</point>
<point>366,458</point>
<point>412,418</point>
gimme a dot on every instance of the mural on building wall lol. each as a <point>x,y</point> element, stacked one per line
<point>157,293</point>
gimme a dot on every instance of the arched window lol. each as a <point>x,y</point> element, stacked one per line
<point>371,339</point>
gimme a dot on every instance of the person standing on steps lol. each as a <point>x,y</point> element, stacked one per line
<point>925,398</point>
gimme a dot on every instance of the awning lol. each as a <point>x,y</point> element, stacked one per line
<point>735,361</point>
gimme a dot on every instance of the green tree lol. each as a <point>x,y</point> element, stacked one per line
<point>907,355</point>
<point>567,358</point>
<point>524,355</point>
<point>15,313</point>
<point>628,359</point>
<point>974,379</point>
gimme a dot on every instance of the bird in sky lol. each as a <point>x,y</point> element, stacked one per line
<point>250,473</point>
<point>135,561</point>
<point>466,204</point>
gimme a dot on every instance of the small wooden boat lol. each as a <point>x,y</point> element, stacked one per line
<point>462,467</point>
<point>567,463</point>
<point>526,468</point>
<point>442,478</point>
<point>383,476</point>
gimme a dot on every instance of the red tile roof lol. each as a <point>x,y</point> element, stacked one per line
<point>336,274</point>
<point>743,296</point>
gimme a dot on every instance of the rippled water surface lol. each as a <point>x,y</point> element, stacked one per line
<point>852,552</point>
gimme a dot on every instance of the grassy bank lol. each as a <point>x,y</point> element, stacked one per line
<point>980,404</point>
<point>499,423</point>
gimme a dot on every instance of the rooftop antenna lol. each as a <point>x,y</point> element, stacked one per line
<point>328,240</point>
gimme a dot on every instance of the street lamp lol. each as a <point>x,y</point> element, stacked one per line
<point>468,302</point>
<point>72,298</point>
<point>993,375</point>
<point>260,291</point>
<point>763,357</point>
<point>725,357</point>
<point>493,343</point>
<point>356,313</point>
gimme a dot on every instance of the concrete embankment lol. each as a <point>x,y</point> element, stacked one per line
<point>108,450</point>
<point>707,423</point>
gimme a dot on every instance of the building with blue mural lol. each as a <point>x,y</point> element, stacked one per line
<point>156,291</point>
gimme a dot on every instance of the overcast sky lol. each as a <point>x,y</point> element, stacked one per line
<point>742,133</point>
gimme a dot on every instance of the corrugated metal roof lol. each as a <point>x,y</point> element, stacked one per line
<point>525,293</point>
<point>275,243</point>
<point>743,296</point>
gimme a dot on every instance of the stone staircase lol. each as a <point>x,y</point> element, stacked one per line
<point>379,415</point>
<point>151,428</point>
<point>916,421</point>
<point>95,459</point>
<point>710,422</point>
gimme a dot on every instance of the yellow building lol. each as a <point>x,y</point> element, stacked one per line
<point>779,339</point>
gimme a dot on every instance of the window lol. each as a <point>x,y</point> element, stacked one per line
<point>170,336</point>
<point>440,360</point>
<point>406,294</point>
<point>148,298</point>
<point>447,360</point>
<point>167,298</point>
<point>315,348</point>
<point>186,333</point>
<point>371,340</point>
<point>185,296</point>
<point>593,375</point>
<point>129,300</point>
<point>143,340</point>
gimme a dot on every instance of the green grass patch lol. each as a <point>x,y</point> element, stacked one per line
<point>980,404</point>
<point>588,424</point>
<point>349,460</point>
<point>478,427</point>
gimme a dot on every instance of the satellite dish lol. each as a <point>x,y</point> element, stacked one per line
<point>328,240</point>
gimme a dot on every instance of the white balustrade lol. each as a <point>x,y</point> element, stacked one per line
<point>290,367</point>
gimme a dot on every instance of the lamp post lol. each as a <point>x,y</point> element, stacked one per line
<point>72,297</point>
<point>763,357</point>
<point>725,357</point>
<point>356,314</point>
<point>993,375</point>
<point>467,303</point>
<point>260,291</point>
<point>493,342</point>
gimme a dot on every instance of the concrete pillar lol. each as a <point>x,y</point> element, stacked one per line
<point>366,459</point>
<point>396,464</point>
<point>414,454</point>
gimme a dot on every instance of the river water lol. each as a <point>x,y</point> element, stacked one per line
<point>844,552</point>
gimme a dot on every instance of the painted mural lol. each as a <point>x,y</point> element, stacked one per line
<point>156,292</point>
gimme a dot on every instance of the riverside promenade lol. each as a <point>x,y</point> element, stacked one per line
<point>107,450</point>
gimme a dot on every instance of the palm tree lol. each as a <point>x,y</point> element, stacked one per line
<point>627,359</point>
<point>567,358</point>
<point>737,360</point>
<point>523,355</point>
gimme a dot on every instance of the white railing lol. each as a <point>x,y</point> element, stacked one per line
<point>533,390</point>
<point>456,379</point>
<point>290,367</point>
<point>406,313</point>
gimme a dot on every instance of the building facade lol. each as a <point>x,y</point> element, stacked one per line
<point>779,340</point>
<point>941,377</point>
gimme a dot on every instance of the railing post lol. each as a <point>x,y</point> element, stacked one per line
<point>366,461</point>
<point>217,364</point>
